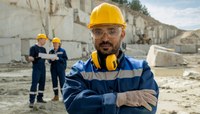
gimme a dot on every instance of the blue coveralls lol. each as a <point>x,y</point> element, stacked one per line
<point>88,90</point>
<point>58,68</point>
<point>38,73</point>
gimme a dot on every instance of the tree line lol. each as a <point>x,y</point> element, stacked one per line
<point>134,5</point>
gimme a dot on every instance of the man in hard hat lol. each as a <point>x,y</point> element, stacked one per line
<point>58,66</point>
<point>38,72</point>
<point>110,82</point>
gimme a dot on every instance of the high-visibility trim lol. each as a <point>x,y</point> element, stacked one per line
<point>59,53</point>
<point>40,91</point>
<point>112,75</point>
<point>32,93</point>
<point>55,88</point>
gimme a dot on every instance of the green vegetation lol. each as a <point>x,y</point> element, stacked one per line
<point>134,5</point>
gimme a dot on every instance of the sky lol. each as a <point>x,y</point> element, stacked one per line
<point>184,14</point>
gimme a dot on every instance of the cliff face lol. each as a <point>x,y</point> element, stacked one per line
<point>22,20</point>
<point>187,37</point>
<point>139,24</point>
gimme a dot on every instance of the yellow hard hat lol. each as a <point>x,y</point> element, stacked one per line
<point>106,13</point>
<point>39,36</point>
<point>56,40</point>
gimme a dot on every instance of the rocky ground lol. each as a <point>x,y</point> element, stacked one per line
<point>178,94</point>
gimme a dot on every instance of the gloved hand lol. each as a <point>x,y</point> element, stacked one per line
<point>137,98</point>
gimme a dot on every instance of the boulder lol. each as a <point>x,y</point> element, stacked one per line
<point>163,57</point>
<point>191,75</point>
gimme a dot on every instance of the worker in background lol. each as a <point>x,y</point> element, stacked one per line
<point>58,66</point>
<point>110,82</point>
<point>39,71</point>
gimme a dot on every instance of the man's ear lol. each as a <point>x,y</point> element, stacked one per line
<point>123,34</point>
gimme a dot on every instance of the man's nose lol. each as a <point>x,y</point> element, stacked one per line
<point>105,37</point>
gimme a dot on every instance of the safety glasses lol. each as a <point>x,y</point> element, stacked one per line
<point>111,31</point>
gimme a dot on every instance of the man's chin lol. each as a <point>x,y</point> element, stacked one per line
<point>105,51</point>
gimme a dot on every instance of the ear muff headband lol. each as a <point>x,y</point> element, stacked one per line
<point>111,62</point>
<point>95,59</point>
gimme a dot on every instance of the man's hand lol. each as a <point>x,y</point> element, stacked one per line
<point>137,98</point>
<point>56,58</point>
<point>30,58</point>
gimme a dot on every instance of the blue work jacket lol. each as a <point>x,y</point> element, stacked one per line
<point>38,61</point>
<point>88,90</point>
<point>61,63</point>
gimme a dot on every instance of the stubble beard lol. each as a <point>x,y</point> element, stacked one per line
<point>105,51</point>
